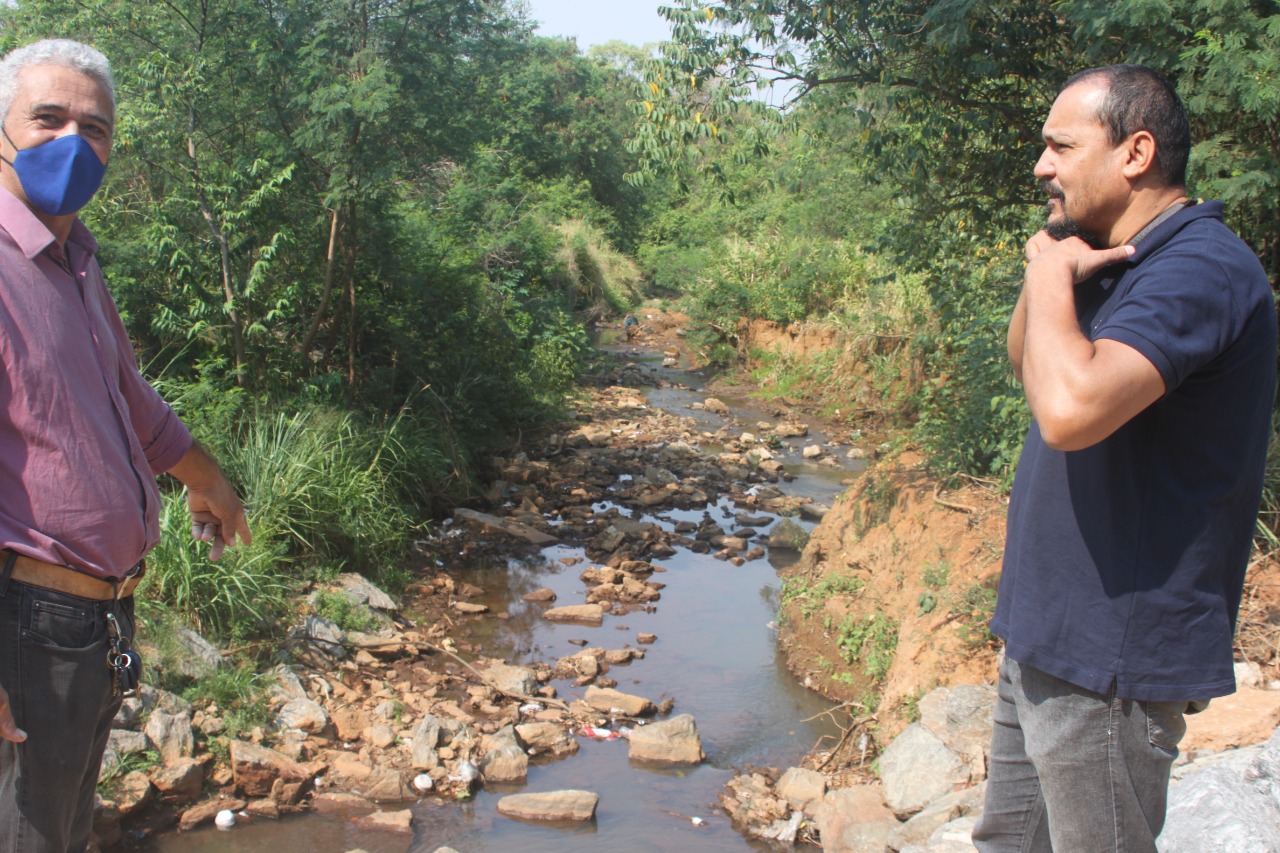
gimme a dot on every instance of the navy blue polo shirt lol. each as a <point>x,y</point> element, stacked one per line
<point>1125,561</point>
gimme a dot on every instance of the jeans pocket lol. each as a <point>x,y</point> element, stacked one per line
<point>62,624</point>
<point>1166,724</point>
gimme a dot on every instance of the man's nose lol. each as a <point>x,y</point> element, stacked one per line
<point>1044,166</point>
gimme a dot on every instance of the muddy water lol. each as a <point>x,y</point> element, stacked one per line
<point>716,654</point>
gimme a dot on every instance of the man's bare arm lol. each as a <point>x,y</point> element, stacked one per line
<point>1079,391</point>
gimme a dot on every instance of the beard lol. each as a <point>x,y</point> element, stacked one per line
<point>1065,226</point>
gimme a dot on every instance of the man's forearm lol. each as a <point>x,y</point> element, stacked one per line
<point>1017,335</point>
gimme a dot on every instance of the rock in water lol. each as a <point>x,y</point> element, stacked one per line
<point>673,741</point>
<point>552,805</point>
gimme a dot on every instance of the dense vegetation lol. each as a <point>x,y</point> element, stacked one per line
<point>899,189</point>
<point>354,242</point>
<point>357,241</point>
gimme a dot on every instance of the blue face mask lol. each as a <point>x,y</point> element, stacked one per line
<point>61,175</point>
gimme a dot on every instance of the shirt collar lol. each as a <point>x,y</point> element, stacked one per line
<point>1156,234</point>
<point>1156,237</point>
<point>31,235</point>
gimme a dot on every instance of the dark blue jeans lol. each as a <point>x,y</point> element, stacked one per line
<point>53,663</point>
<point>1075,771</point>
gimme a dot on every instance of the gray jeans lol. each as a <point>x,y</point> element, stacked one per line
<point>53,663</point>
<point>1075,771</point>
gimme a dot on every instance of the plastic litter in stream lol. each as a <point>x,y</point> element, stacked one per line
<point>600,733</point>
<point>697,821</point>
<point>467,772</point>
<point>225,819</point>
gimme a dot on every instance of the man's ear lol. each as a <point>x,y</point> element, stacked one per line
<point>1140,154</point>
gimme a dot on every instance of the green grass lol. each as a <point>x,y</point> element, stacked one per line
<point>343,612</point>
<point>240,692</point>
<point>811,596</point>
<point>871,641</point>
<point>975,606</point>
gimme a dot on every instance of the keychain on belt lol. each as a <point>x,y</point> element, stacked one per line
<point>125,663</point>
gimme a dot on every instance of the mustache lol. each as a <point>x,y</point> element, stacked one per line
<point>1051,189</point>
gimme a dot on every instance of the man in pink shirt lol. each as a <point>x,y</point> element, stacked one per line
<point>82,438</point>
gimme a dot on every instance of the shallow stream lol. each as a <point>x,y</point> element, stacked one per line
<point>716,654</point>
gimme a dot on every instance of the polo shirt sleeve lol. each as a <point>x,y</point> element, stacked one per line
<point>1180,311</point>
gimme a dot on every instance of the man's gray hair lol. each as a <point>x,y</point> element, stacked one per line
<point>71,54</point>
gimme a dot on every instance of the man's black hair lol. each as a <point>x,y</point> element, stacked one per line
<point>1140,98</point>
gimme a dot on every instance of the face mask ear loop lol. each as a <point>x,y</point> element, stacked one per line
<point>13,144</point>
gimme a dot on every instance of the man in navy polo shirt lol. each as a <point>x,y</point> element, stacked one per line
<point>1145,339</point>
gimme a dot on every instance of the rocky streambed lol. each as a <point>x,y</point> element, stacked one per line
<point>587,660</point>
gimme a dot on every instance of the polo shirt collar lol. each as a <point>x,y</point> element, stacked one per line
<point>31,235</point>
<point>1163,232</point>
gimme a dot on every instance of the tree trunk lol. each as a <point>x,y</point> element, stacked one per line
<point>330,263</point>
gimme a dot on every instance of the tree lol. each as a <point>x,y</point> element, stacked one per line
<point>951,93</point>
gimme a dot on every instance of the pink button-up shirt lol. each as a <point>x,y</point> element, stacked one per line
<point>82,434</point>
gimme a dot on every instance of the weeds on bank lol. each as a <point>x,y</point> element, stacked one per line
<point>343,612</point>
<point>878,499</point>
<point>871,641</point>
<point>134,761</point>
<point>934,577</point>
<point>240,695</point>
<point>975,607</point>
<point>811,596</point>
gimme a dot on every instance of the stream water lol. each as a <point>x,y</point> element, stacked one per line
<point>716,654</point>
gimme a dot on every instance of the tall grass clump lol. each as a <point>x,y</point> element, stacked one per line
<point>595,271</point>
<point>325,483</point>
<point>325,492</point>
<point>245,589</point>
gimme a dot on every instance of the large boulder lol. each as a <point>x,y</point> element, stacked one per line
<point>788,535</point>
<point>198,657</point>
<point>504,760</point>
<point>360,590</point>
<point>181,779</point>
<point>592,613</point>
<point>607,700</point>
<point>961,718</point>
<point>303,714</point>
<point>546,738</point>
<point>172,734</point>
<point>673,741</point>
<point>927,823</point>
<point>802,787</point>
<point>1232,805</point>
<point>512,680</point>
<point>422,747</point>
<point>854,820</point>
<point>917,769</point>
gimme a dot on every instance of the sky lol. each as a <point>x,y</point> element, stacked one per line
<point>594,22</point>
